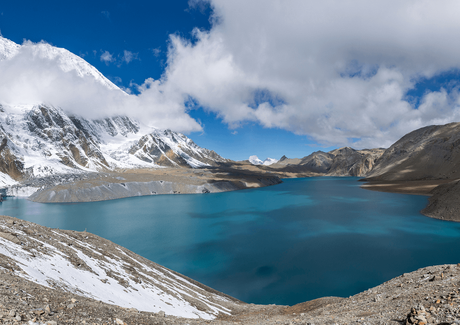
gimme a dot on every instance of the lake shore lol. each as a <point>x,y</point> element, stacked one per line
<point>419,187</point>
<point>443,202</point>
<point>154,181</point>
<point>430,292</point>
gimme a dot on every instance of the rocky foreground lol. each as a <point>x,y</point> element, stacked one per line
<point>52,276</point>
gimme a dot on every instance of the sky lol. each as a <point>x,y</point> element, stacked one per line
<point>253,77</point>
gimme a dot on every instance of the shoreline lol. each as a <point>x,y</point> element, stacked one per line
<point>104,186</point>
<point>433,287</point>
<point>418,187</point>
<point>443,195</point>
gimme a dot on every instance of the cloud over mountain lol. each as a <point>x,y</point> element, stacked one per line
<point>36,73</point>
<point>336,70</point>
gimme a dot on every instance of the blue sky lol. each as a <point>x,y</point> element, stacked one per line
<point>269,78</point>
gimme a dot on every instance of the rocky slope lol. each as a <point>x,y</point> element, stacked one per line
<point>432,152</point>
<point>44,140</point>
<point>339,162</point>
<point>427,155</point>
<point>52,276</point>
<point>87,265</point>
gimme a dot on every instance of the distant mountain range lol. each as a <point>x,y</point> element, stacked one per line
<point>339,162</point>
<point>267,162</point>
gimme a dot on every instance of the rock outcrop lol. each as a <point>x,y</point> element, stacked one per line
<point>339,162</point>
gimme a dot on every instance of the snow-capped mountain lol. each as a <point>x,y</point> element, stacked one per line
<point>39,140</point>
<point>67,61</point>
<point>267,162</point>
<point>8,48</point>
<point>44,140</point>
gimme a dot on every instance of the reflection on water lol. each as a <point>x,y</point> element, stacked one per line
<point>284,244</point>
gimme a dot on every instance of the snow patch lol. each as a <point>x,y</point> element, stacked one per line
<point>267,162</point>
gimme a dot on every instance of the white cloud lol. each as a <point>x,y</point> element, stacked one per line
<point>335,70</point>
<point>107,57</point>
<point>129,56</point>
<point>35,75</point>
<point>156,51</point>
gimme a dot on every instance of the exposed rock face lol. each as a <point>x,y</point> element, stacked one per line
<point>445,202</point>
<point>172,149</point>
<point>350,162</point>
<point>43,140</point>
<point>76,147</point>
<point>432,152</point>
<point>340,162</point>
<point>10,162</point>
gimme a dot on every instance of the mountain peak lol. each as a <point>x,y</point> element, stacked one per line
<point>256,161</point>
<point>67,60</point>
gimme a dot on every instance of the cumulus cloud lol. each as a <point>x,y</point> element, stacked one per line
<point>337,71</point>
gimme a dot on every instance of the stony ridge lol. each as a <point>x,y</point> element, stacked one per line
<point>339,162</point>
<point>432,152</point>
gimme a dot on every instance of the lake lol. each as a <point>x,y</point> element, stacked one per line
<point>284,244</point>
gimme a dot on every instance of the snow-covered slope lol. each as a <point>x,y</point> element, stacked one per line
<point>8,48</point>
<point>255,160</point>
<point>90,266</point>
<point>44,140</point>
<point>267,162</point>
<point>172,149</point>
<point>67,60</point>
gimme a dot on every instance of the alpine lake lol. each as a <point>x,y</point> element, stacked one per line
<point>285,244</point>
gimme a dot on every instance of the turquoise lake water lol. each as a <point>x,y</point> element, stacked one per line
<point>284,244</point>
